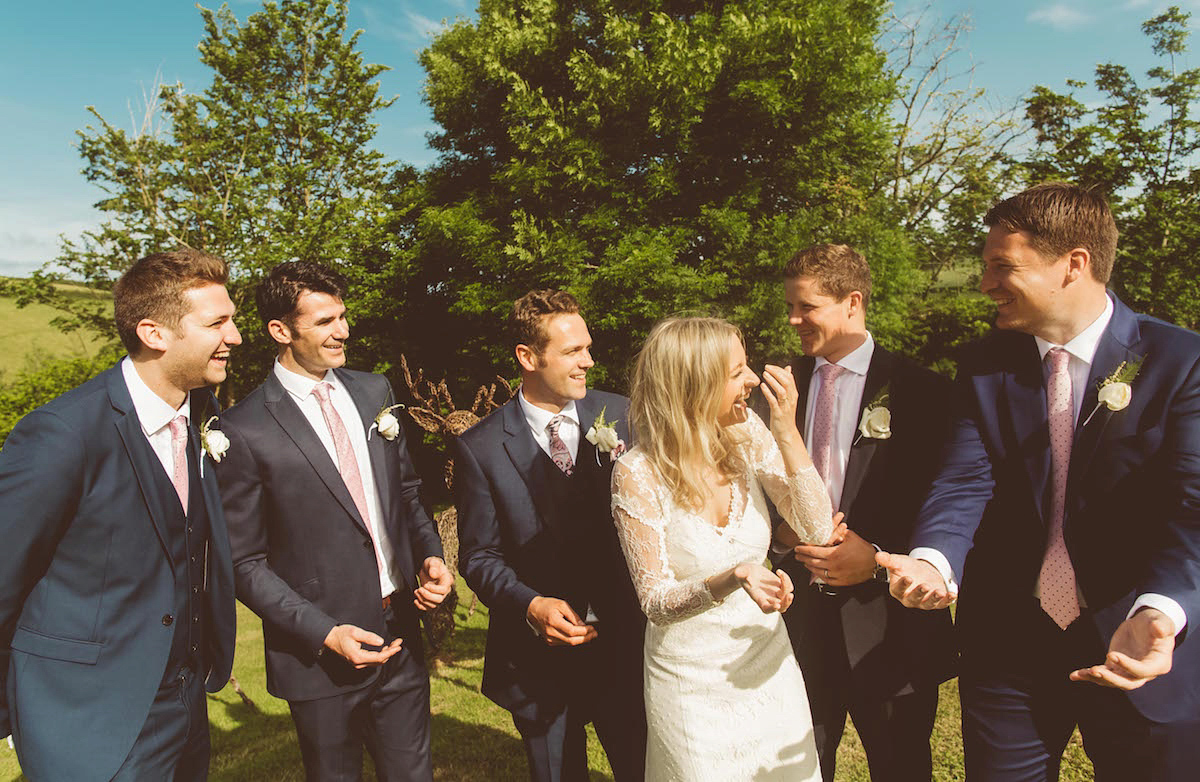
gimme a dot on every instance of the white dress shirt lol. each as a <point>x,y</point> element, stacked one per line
<point>154,415</point>
<point>1082,350</point>
<point>537,418</point>
<point>300,388</point>
<point>568,432</point>
<point>846,405</point>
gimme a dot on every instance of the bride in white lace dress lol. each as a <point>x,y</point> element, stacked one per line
<point>725,699</point>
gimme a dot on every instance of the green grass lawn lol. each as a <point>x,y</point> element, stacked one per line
<point>473,739</point>
<point>34,339</point>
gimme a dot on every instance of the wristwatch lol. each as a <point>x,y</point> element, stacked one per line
<point>880,573</point>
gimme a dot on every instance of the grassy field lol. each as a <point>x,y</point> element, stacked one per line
<point>473,739</point>
<point>34,339</point>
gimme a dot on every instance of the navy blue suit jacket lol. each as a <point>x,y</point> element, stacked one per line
<point>1132,523</point>
<point>303,556</point>
<point>86,580</point>
<point>516,543</point>
<point>888,647</point>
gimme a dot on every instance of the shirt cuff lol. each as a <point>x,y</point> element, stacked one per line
<point>1164,604</point>
<point>939,561</point>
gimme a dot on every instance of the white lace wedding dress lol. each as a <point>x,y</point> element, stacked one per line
<point>725,700</point>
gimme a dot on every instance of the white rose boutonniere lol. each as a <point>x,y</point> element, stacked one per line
<point>386,424</point>
<point>1116,390</point>
<point>876,421</point>
<point>603,435</point>
<point>213,442</point>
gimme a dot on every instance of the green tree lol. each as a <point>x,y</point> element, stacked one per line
<point>1139,146</point>
<point>651,156</point>
<point>270,162</point>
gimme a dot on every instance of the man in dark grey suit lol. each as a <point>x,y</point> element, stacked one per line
<point>538,545</point>
<point>116,589</point>
<point>863,653</point>
<point>329,536</point>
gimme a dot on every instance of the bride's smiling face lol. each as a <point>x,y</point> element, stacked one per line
<point>740,381</point>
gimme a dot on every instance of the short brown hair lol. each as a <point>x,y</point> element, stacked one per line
<point>153,289</point>
<point>279,292</point>
<point>529,313</point>
<point>839,268</point>
<point>1058,217</point>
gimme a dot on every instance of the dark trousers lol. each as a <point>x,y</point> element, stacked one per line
<point>390,717</point>
<point>1019,713</point>
<point>173,743</point>
<point>608,696</point>
<point>894,729</point>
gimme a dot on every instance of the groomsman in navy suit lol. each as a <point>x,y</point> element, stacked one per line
<point>116,588</point>
<point>1068,509</point>
<point>538,545</point>
<point>863,653</point>
<point>332,546</point>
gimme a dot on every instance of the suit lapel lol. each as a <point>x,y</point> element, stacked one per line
<point>1113,348</point>
<point>524,453</point>
<point>863,449</point>
<point>145,464</point>
<point>1025,396</point>
<point>802,370</point>
<point>292,421</point>
<point>376,444</point>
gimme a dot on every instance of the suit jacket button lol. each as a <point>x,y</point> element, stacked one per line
<point>167,620</point>
<point>366,544</point>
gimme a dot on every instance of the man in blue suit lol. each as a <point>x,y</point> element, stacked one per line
<point>116,584</point>
<point>1068,508</point>
<point>538,545</point>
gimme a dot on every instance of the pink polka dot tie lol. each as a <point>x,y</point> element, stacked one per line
<point>822,428</point>
<point>179,477</point>
<point>1056,583</point>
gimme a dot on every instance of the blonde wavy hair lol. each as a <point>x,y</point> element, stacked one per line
<point>675,398</point>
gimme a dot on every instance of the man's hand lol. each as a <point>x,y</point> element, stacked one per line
<point>347,640</point>
<point>436,581</point>
<point>852,561</point>
<point>915,582</point>
<point>557,623</point>
<point>1140,650</point>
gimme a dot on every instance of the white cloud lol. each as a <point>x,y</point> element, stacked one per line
<point>1059,16</point>
<point>29,234</point>
<point>404,24</point>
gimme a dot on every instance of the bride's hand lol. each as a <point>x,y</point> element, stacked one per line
<point>770,591</point>
<point>779,389</point>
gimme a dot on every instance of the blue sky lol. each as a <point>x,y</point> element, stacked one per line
<point>57,59</point>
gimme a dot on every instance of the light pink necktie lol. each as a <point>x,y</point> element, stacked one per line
<point>558,449</point>
<point>1056,582</point>
<point>347,464</point>
<point>822,428</point>
<point>179,477</point>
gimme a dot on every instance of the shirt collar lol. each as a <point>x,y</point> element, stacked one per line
<point>537,418</point>
<point>1083,346</point>
<point>857,361</point>
<point>299,385</point>
<point>152,412</point>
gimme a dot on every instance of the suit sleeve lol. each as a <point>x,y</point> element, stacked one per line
<point>258,586</point>
<point>1175,572</point>
<point>956,501</point>
<point>41,481</point>
<point>480,554</point>
<point>422,529</point>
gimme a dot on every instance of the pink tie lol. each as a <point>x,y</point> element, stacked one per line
<point>347,464</point>
<point>179,439</point>
<point>558,449</point>
<point>1056,583</point>
<point>822,429</point>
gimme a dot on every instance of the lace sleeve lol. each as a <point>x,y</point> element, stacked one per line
<point>641,526</point>
<point>801,499</point>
